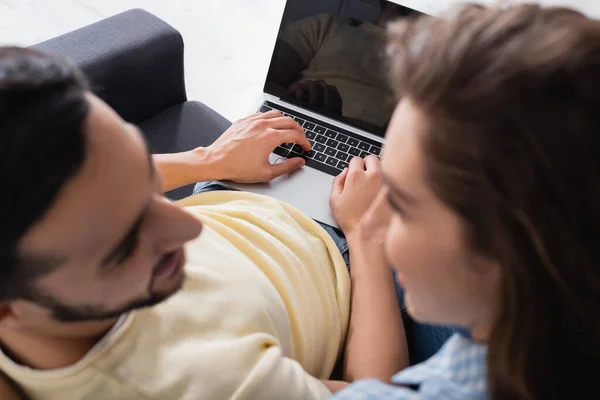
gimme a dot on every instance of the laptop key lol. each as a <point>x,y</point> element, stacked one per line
<point>353,142</point>
<point>280,151</point>
<point>265,109</point>
<point>328,169</point>
<point>364,154</point>
<point>342,156</point>
<point>331,134</point>
<point>319,147</point>
<point>309,125</point>
<point>332,161</point>
<point>332,143</point>
<point>341,138</point>
<point>321,130</point>
<point>375,150</point>
<point>364,146</point>
<point>354,151</point>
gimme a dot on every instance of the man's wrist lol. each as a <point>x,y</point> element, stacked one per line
<point>197,165</point>
<point>202,163</point>
<point>208,164</point>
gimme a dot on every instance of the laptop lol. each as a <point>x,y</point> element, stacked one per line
<point>328,73</point>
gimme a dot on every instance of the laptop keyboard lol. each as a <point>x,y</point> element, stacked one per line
<point>331,150</point>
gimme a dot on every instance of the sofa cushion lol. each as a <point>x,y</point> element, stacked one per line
<point>134,61</point>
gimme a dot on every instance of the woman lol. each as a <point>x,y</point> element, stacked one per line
<point>489,209</point>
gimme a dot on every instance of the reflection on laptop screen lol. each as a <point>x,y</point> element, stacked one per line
<point>329,58</point>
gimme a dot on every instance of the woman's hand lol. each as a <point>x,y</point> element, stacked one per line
<point>353,191</point>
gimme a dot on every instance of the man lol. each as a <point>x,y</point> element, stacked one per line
<point>89,244</point>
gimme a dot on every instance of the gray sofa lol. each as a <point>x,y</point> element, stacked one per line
<point>134,61</point>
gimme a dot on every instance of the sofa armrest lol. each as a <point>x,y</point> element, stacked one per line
<point>134,61</point>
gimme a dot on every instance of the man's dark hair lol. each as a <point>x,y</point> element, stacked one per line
<point>42,145</point>
<point>512,99</point>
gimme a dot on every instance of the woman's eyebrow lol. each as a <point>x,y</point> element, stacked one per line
<point>398,192</point>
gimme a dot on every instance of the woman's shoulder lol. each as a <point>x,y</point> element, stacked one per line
<point>456,371</point>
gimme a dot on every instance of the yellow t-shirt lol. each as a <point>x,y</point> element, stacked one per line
<point>351,58</point>
<point>263,314</point>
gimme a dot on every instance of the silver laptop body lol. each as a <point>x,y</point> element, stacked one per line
<point>308,188</point>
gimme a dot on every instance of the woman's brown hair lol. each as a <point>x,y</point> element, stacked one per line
<point>512,98</point>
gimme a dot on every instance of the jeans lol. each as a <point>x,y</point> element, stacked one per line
<point>423,340</point>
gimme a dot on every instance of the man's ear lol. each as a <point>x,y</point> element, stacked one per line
<point>7,317</point>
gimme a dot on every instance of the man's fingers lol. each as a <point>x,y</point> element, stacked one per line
<point>286,167</point>
<point>372,164</point>
<point>293,136</point>
<point>268,115</point>
<point>338,182</point>
<point>282,122</point>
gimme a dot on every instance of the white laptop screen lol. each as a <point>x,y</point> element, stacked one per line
<point>329,58</point>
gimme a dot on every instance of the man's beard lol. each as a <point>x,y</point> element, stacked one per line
<point>85,313</point>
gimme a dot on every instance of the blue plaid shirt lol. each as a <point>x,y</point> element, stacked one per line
<point>456,371</point>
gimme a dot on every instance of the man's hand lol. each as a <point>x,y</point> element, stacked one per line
<point>353,192</point>
<point>241,154</point>
<point>318,94</point>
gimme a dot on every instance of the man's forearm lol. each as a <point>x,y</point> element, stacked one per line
<point>376,345</point>
<point>180,169</point>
